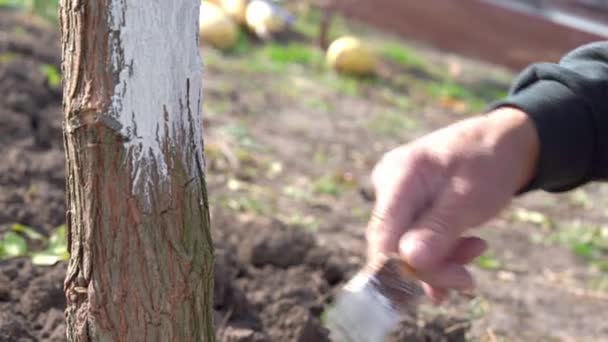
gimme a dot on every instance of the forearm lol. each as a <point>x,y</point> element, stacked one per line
<point>517,142</point>
<point>568,104</point>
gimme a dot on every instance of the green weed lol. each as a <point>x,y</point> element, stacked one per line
<point>30,232</point>
<point>259,63</point>
<point>327,185</point>
<point>46,9</point>
<point>342,84</point>
<point>489,261</point>
<point>213,58</point>
<point>240,133</point>
<point>402,55</point>
<point>588,241</point>
<point>14,244</point>
<point>318,104</point>
<point>293,53</point>
<point>490,91</point>
<point>478,308</point>
<point>243,58</point>
<point>245,203</point>
<point>276,58</point>
<point>333,184</point>
<point>533,217</point>
<point>242,46</point>
<point>53,75</point>
<point>390,123</point>
<point>307,222</point>
<point>56,250</point>
<point>216,107</point>
<point>297,193</point>
<point>450,90</point>
<point>396,99</point>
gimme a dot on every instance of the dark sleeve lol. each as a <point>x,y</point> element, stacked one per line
<point>568,103</point>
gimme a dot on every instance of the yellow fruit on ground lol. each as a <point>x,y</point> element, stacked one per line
<point>235,8</point>
<point>216,27</point>
<point>350,55</point>
<point>263,19</point>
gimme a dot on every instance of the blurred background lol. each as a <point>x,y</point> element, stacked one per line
<point>301,99</point>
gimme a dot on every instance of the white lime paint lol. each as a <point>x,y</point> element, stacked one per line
<point>155,52</point>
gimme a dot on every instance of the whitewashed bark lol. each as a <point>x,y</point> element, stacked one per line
<point>141,254</point>
<point>152,94</point>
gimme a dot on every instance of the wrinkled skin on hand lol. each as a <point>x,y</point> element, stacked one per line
<point>430,192</point>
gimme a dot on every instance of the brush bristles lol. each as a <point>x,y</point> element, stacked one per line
<point>372,303</point>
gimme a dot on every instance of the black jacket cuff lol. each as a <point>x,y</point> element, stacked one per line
<point>565,142</point>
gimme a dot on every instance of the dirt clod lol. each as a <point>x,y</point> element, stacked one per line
<point>44,293</point>
<point>33,303</point>
<point>281,248</point>
<point>334,269</point>
<point>440,329</point>
<point>299,325</point>
<point>13,328</point>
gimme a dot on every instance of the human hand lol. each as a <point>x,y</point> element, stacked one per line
<point>431,191</point>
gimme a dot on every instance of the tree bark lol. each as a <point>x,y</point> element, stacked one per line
<point>141,255</point>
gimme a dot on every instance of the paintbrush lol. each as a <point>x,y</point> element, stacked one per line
<point>371,305</point>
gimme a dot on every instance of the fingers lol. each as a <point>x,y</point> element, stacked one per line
<point>429,245</point>
<point>468,249</point>
<point>432,239</point>
<point>397,204</point>
<point>384,230</point>
<point>454,276</point>
<point>449,276</point>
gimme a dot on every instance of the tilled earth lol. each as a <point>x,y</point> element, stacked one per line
<point>272,281</point>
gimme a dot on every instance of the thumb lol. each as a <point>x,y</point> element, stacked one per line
<point>396,207</point>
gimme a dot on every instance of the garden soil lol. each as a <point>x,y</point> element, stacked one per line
<point>272,282</point>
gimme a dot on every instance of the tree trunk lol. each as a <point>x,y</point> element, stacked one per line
<point>141,265</point>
